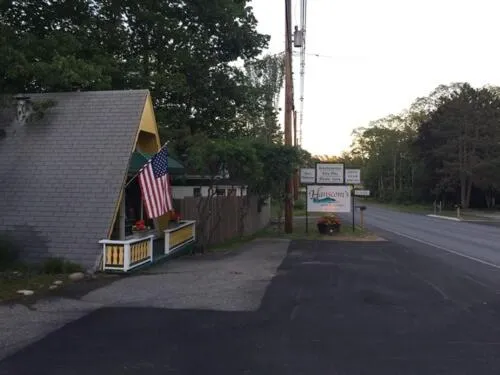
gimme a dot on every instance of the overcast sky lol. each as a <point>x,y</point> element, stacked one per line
<point>379,55</point>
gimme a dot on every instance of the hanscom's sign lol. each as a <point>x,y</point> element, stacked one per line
<point>328,198</point>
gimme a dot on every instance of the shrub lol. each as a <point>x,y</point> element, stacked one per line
<point>299,204</point>
<point>54,266</point>
<point>9,251</point>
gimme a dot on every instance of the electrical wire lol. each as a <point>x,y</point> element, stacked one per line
<point>303,22</point>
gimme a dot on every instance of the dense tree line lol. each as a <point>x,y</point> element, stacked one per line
<point>445,147</point>
<point>183,51</point>
<point>201,60</point>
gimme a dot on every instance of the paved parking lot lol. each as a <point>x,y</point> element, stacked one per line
<point>332,308</point>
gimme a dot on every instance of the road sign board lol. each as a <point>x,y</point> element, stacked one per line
<point>332,198</point>
<point>352,176</point>
<point>329,173</point>
<point>307,175</point>
<point>362,193</point>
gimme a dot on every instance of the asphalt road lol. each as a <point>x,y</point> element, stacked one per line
<point>425,302</point>
<point>477,242</point>
<point>332,308</point>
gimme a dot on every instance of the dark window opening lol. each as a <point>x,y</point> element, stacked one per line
<point>133,203</point>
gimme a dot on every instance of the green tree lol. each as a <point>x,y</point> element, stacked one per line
<point>262,167</point>
<point>444,147</point>
<point>265,78</point>
<point>464,135</point>
<point>182,51</point>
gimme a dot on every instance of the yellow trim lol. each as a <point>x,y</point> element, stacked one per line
<point>140,251</point>
<point>148,140</point>
<point>115,255</point>
<point>147,123</point>
<point>180,236</point>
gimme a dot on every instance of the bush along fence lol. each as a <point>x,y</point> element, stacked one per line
<point>221,219</point>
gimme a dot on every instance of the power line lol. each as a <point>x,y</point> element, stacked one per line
<point>303,22</point>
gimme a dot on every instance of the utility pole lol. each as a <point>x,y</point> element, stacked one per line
<point>296,182</point>
<point>288,113</point>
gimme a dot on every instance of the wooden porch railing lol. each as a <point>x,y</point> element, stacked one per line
<point>127,254</point>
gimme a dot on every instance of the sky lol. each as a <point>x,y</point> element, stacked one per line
<point>378,56</point>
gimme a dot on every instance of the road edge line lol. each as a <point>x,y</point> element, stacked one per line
<point>444,217</point>
<point>447,250</point>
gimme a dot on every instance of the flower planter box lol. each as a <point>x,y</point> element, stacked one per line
<point>328,228</point>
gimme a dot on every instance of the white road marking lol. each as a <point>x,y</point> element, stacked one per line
<point>445,217</point>
<point>445,249</point>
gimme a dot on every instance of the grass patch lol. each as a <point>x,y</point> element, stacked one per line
<point>299,212</point>
<point>233,243</point>
<point>299,232</point>
<point>37,278</point>
<point>299,209</point>
<point>12,281</point>
<point>25,278</point>
<point>409,208</point>
<point>54,266</point>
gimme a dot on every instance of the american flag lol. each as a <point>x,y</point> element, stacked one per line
<point>155,186</point>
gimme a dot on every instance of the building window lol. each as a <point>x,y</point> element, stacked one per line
<point>196,192</point>
<point>231,192</point>
<point>220,192</point>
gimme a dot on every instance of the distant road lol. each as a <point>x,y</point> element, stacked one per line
<point>476,242</point>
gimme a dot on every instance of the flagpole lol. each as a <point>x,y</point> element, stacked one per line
<point>140,170</point>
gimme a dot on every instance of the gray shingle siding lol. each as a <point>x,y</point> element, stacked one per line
<point>60,176</point>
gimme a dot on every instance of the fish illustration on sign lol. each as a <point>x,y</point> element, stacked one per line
<point>324,200</point>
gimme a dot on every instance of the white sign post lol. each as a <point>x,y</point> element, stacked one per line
<point>328,198</point>
<point>352,176</point>
<point>307,175</point>
<point>362,193</point>
<point>329,173</point>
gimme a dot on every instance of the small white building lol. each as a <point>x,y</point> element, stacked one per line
<point>199,186</point>
<point>180,192</point>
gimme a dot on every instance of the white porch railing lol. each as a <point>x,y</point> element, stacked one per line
<point>127,254</point>
<point>180,236</point>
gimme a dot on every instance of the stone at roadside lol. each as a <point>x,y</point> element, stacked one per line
<point>52,287</point>
<point>25,292</point>
<point>58,282</point>
<point>76,276</point>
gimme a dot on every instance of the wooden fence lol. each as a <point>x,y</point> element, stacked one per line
<point>220,219</point>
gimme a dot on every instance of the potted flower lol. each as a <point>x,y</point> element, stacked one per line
<point>328,224</point>
<point>139,226</point>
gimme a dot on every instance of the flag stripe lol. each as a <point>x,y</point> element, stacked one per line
<point>155,186</point>
<point>153,192</point>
